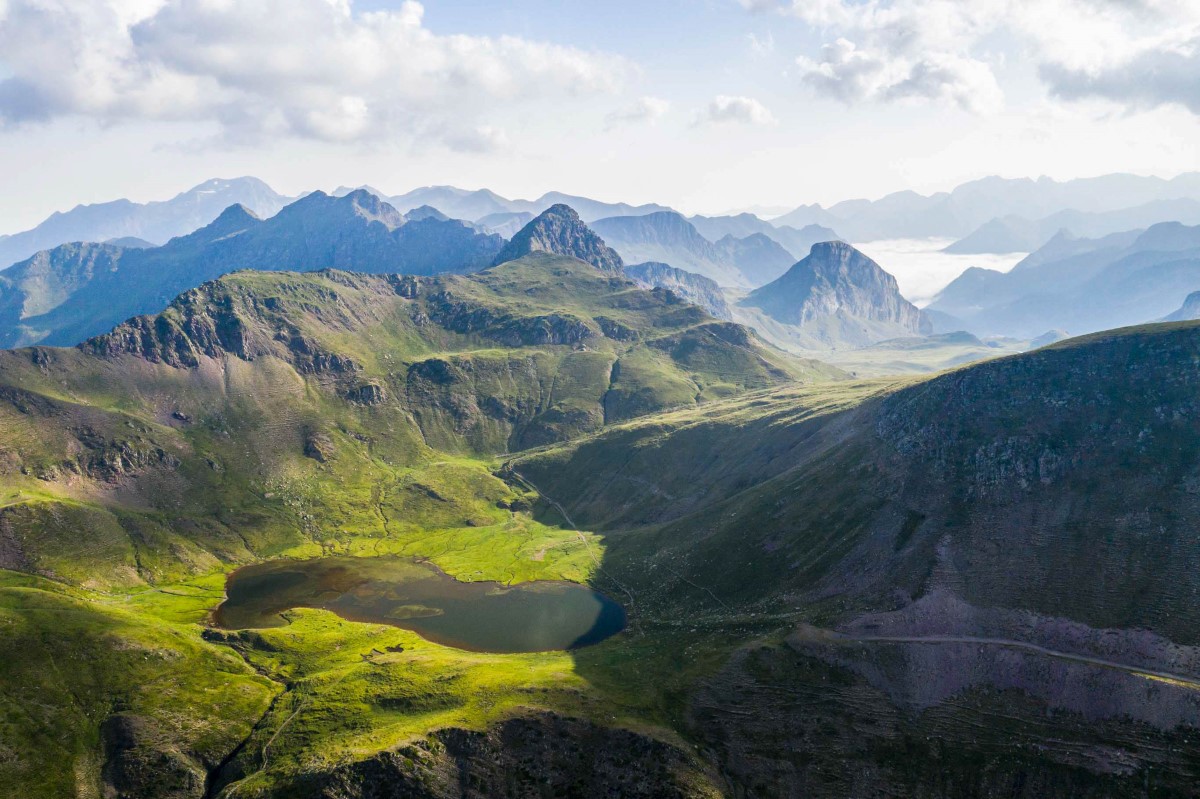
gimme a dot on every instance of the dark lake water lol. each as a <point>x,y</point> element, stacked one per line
<point>483,616</point>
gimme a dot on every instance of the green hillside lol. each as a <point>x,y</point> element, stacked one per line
<point>281,414</point>
<point>979,583</point>
<point>982,583</point>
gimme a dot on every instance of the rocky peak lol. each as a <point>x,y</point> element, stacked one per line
<point>425,212</point>
<point>234,219</point>
<point>560,231</point>
<point>837,280</point>
<point>358,204</point>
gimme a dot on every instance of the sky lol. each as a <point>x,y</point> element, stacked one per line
<point>704,105</point>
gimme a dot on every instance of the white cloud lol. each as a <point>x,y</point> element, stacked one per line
<point>301,68</point>
<point>643,110</point>
<point>761,46</point>
<point>1149,79</point>
<point>949,50</point>
<point>744,110</point>
<point>758,6</point>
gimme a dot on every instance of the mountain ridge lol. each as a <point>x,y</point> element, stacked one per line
<point>357,230</point>
<point>157,221</point>
<point>1081,285</point>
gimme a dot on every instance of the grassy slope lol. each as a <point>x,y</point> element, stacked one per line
<point>1053,493</point>
<point>721,522</point>
<point>234,427</point>
<point>1009,465</point>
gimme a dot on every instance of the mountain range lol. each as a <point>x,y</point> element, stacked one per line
<point>742,261</point>
<point>1079,285</point>
<point>1018,234</point>
<point>960,212</point>
<point>979,583</point>
<point>153,222</point>
<point>480,203</point>
<point>74,291</point>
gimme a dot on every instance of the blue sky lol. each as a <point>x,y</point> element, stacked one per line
<point>708,105</point>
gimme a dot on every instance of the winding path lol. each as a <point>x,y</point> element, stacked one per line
<point>826,636</point>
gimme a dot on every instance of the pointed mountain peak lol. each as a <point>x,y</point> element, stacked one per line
<point>560,231</point>
<point>233,219</point>
<point>425,212</point>
<point>237,214</point>
<point>838,282</point>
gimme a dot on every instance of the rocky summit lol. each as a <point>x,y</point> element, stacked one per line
<point>559,230</point>
<point>835,297</point>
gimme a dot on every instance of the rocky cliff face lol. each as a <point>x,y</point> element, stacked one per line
<point>538,755</point>
<point>696,289</point>
<point>560,231</point>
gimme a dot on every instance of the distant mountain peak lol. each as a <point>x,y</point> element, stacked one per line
<point>236,214</point>
<point>1188,311</point>
<point>1169,237</point>
<point>559,230</point>
<point>223,184</point>
<point>836,284</point>
<point>156,222</point>
<point>231,221</point>
<point>358,203</point>
<point>425,212</point>
<point>694,288</point>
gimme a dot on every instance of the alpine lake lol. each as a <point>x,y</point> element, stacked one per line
<point>478,616</point>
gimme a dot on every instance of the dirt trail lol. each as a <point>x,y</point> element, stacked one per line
<point>826,636</point>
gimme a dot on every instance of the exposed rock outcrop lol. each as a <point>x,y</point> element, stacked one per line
<point>541,755</point>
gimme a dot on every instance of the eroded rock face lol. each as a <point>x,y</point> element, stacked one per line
<point>561,329</point>
<point>319,446</point>
<point>202,322</point>
<point>309,357</point>
<point>367,394</point>
<point>138,765</point>
<point>545,755</point>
